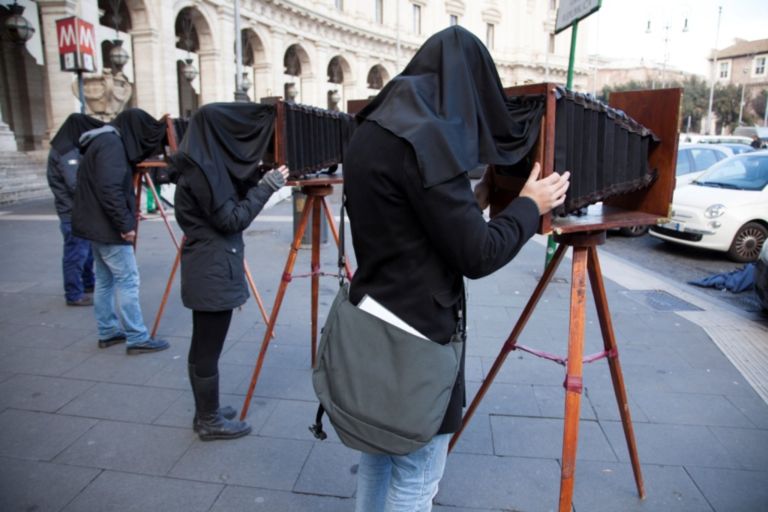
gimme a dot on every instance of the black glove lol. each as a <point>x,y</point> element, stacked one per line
<point>274,180</point>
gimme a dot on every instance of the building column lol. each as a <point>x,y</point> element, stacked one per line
<point>278,57</point>
<point>60,100</point>
<point>150,72</point>
<point>226,45</point>
<point>211,77</point>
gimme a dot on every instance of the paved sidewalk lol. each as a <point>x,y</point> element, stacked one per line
<point>88,429</point>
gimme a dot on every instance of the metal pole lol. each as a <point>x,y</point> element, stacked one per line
<point>80,91</point>
<point>714,74</point>
<point>238,54</point>
<point>741,104</point>
<point>397,36</point>
<point>765,112</point>
<point>551,245</point>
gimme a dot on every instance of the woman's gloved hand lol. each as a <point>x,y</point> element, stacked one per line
<point>275,179</point>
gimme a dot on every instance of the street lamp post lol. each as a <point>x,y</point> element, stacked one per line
<point>714,74</point>
<point>667,26</point>
<point>743,86</point>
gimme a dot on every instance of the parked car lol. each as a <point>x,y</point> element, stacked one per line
<point>738,149</point>
<point>761,277</point>
<point>751,131</point>
<point>724,209</point>
<point>692,160</point>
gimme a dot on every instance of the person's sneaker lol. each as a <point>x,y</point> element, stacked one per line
<point>150,345</point>
<point>114,340</point>
<point>85,300</point>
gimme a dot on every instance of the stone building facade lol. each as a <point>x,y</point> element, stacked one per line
<point>324,52</point>
<point>745,64</point>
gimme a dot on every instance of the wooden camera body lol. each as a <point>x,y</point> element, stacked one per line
<point>656,110</point>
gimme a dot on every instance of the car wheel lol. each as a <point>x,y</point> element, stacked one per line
<point>747,243</point>
<point>634,230</point>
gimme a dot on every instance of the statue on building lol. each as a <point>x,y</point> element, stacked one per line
<point>105,95</point>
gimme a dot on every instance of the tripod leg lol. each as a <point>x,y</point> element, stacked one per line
<point>295,245</point>
<point>335,233</point>
<point>315,270</point>
<point>509,344</point>
<point>167,292</point>
<point>256,295</point>
<point>573,378</point>
<point>137,187</point>
<point>159,203</point>
<point>609,341</point>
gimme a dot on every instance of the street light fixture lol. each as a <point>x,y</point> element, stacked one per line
<point>708,128</point>
<point>118,56</point>
<point>18,27</point>
<point>667,26</point>
<point>245,82</point>
<point>743,86</point>
<point>189,71</point>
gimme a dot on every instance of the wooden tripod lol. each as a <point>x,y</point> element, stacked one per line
<point>585,262</point>
<point>316,191</point>
<point>143,177</point>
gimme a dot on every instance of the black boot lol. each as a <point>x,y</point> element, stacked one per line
<point>210,423</point>
<point>226,411</point>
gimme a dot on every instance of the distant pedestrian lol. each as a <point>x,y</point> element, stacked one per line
<point>63,162</point>
<point>105,213</point>
<point>219,193</point>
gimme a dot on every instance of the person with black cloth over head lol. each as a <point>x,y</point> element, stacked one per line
<point>63,162</point>
<point>219,193</point>
<point>417,229</point>
<point>104,212</point>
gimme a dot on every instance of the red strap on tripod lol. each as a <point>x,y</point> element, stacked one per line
<point>613,353</point>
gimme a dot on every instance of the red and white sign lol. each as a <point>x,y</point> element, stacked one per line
<point>77,44</point>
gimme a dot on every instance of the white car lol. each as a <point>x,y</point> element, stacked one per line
<point>693,159</point>
<point>725,209</point>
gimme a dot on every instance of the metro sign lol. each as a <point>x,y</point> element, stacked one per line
<point>77,44</point>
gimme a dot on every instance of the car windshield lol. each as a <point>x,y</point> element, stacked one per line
<point>747,172</point>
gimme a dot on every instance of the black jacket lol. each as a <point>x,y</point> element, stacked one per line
<point>414,244</point>
<point>105,202</point>
<point>212,264</point>
<point>62,178</point>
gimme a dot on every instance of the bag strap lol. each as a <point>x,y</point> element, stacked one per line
<point>342,252</point>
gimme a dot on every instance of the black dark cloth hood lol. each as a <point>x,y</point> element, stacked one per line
<point>449,104</point>
<point>141,133</point>
<point>68,136</point>
<point>227,142</point>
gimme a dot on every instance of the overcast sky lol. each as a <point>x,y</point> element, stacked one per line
<point>618,29</point>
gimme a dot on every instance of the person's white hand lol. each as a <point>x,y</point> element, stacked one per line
<point>547,193</point>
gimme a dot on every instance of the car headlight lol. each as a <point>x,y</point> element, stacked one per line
<point>714,211</point>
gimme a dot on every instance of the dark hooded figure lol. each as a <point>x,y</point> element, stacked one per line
<point>219,193</point>
<point>63,162</point>
<point>105,213</point>
<point>417,229</point>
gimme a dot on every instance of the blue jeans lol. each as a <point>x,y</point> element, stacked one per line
<point>117,274</point>
<point>401,483</point>
<point>76,264</point>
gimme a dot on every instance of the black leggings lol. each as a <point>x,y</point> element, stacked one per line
<point>209,329</point>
